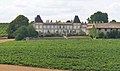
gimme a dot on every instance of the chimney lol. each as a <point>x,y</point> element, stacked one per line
<point>47,21</point>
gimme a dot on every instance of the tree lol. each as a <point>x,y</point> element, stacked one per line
<point>101,34</point>
<point>93,32</point>
<point>98,17</point>
<point>32,32</point>
<point>68,21</point>
<point>112,34</point>
<point>113,21</point>
<point>25,31</point>
<point>21,33</point>
<point>16,23</point>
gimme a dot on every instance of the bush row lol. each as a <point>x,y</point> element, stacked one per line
<point>109,34</point>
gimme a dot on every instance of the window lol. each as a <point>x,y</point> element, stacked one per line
<point>78,26</point>
<point>117,29</point>
<point>70,27</point>
<point>74,27</point>
<point>40,31</point>
<point>45,31</point>
<point>36,26</point>
<point>61,26</point>
<point>55,26</point>
<point>40,26</point>
<point>67,27</point>
<point>52,26</point>
<point>105,29</point>
<point>48,31</point>
<point>74,31</point>
<point>64,26</point>
<point>99,29</point>
<point>52,31</point>
<point>44,26</point>
<point>48,26</point>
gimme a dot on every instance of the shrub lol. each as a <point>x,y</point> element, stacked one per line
<point>24,32</point>
<point>82,33</point>
<point>101,34</point>
<point>112,34</point>
<point>93,32</point>
<point>21,33</point>
<point>32,32</point>
<point>118,36</point>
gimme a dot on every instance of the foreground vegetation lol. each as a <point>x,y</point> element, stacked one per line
<point>81,55</point>
<point>3,28</point>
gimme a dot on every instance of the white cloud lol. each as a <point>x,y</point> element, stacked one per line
<point>57,9</point>
<point>114,11</point>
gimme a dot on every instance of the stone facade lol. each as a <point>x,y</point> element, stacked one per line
<point>57,28</point>
<point>104,27</point>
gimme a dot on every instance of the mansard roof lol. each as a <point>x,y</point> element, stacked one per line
<point>107,25</point>
<point>104,26</point>
<point>38,19</point>
<point>76,19</point>
<point>58,23</point>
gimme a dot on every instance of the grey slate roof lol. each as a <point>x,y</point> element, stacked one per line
<point>107,25</point>
<point>76,19</point>
<point>38,19</point>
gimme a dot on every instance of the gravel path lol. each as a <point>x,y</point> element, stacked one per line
<point>22,68</point>
<point>6,40</point>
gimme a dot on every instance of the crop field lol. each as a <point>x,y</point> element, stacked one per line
<point>78,55</point>
<point>3,28</point>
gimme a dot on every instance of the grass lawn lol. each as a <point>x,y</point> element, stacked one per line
<point>81,55</point>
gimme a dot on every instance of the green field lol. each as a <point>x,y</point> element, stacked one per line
<point>81,55</point>
<point>3,28</point>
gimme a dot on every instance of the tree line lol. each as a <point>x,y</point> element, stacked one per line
<point>94,33</point>
<point>20,28</point>
<point>99,17</point>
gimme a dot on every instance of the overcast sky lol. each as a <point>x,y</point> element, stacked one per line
<point>57,9</point>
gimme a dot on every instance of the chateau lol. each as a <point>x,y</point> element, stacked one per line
<point>58,27</point>
<point>73,27</point>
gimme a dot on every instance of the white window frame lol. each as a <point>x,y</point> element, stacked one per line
<point>37,26</point>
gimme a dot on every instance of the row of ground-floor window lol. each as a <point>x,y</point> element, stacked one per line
<point>58,32</point>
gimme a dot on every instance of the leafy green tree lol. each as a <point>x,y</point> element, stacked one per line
<point>112,34</point>
<point>16,23</point>
<point>93,32</point>
<point>113,21</point>
<point>101,34</point>
<point>98,17</point>
<point>32,32</point>
<point>21,33</point>
<point>25,31</point>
